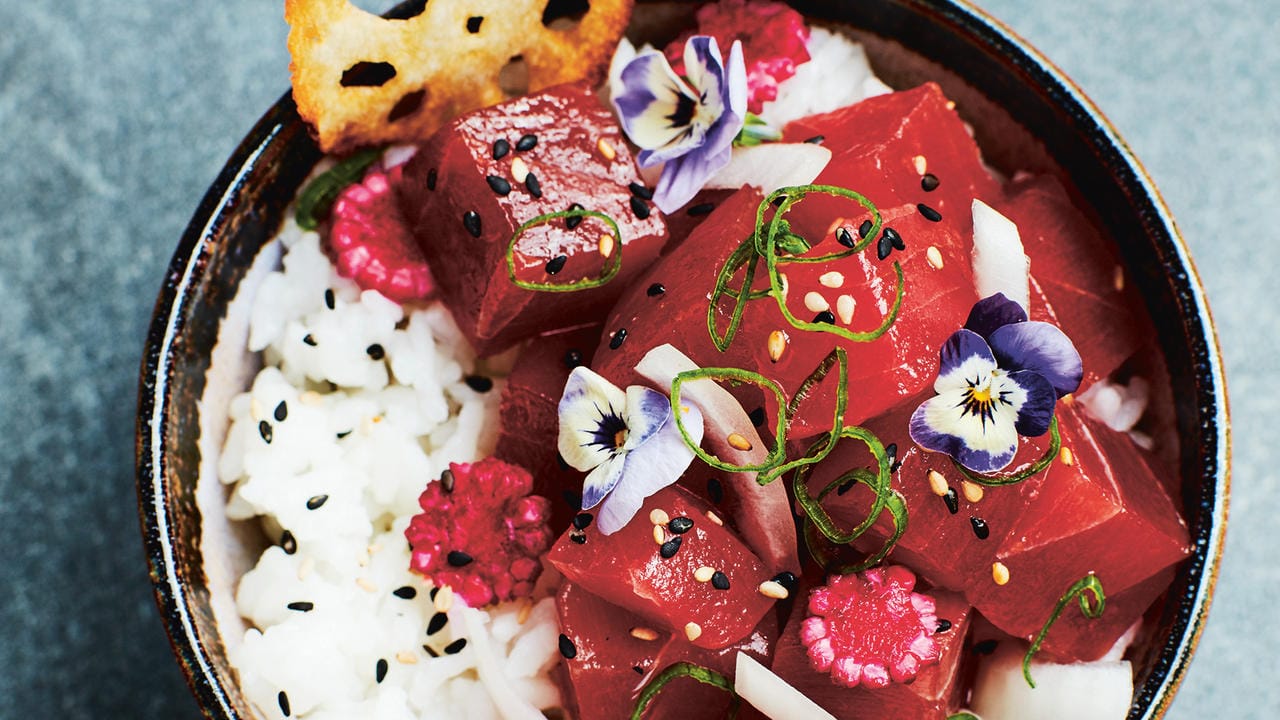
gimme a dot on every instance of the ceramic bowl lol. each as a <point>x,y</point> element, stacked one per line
<point>1006,89</point>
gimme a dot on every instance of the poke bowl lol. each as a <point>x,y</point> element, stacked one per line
<point>358,482</point>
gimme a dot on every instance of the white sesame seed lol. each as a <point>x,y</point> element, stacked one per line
<point>606,149</point>
<point>738,442</point>
<point>644,633</point>
<point>255,409</point>
<point>777,345</point>
<point>832,279</point>
<point>659,535</point>
<point>692,631</point>
<point>1118,279</point>
<point>972,491</point>
<point>1066,457</point>
<point>937,483</point>
<point>999,573</point>
<point>704,573</point>
<point>814,302</point>
<point>934,256</point>
<point>921,164</point>
<point>519,170</point>
<point>305,567</point>
<point>713,517</point>
<point>366,584</point>
<point>406,658</point>
<point>606,245</point>
<point>773,589</point>
<point>658,516</point>
<point>844,308</point>
<point>444,599</point>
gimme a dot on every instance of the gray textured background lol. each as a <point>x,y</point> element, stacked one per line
<point>116,116</point>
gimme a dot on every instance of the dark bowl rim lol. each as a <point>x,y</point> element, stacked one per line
<point>187,264</point>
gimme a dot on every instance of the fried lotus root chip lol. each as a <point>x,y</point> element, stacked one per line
<point>361,80</point>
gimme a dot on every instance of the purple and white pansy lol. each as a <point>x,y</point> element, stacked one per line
<point>627,440</point>
<point>999,378</point>
<point>687,123</point>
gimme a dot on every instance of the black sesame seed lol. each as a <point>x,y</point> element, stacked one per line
<point>883,247</point>
<point>986,647</point>
<point>264,429</point>
<point>431,651</point>
<point>582,520</point>
<point>640,191</point>
<point>618,338</point>
<point>301,606</point>
<point>307,339</point>
<point>556,264</point>
<point>929,213</point>
<point>283,700</point>
<point>380,670</point>
<point>500,148</point>
<point>639,670</point>
<point>455,647</point>
<point>282,411</point>
<point>720,581</point>
<point>578,538</point>
<point>980,528</point>
<point>572,359</point>
<point>816,139</point>
<point>825,316</point>
<point>405,592</point>
<point>473,24</point>
<point>376,351</point>
<point>479,383</point>
<point>574,499</point>
<point>498,184</point>
<point>953,502</point>
<point>432,176</point>
<point>575,220</point>
<point>895,239</point>
<point>457,558</point>
<point>447,480</point>
<point>715,490</point>
<point>700,209</point>
<point>330,301</point>
<point>929,182</point>
<point>757,417</point>
<point>680,525</point>
<point>288,543</point>
<point>315,501</point>
<point>639,209</point>
<point>844,237</point>
<point>437,623</point>
<point>434,591</point>
<point>343,434</point>
<point>865,229</point>
<point>567,648</point>
<point>527,142</point>
<point>656,289</point>
<point>944,626</point>
<point>670,547</point>
<point>532,185</point>
<point>471,221</point>
<point>787,580</point>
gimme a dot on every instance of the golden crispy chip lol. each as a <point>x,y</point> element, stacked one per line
<point>360,79</point>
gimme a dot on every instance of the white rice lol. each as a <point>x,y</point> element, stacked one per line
<point>401,419</point>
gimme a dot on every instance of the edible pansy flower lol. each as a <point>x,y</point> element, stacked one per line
<point>627,440</point>
<point>999,377</point>
<point>687,123</point>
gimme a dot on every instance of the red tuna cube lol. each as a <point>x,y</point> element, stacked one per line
<point>465,206</point>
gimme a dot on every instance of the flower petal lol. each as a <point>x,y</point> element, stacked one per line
<point>647,411</point>
<point>994,312</point>
<point>965,360</point>
<point>604,479</point>
<point>982,443</point>
<point>705,71</point>
<point>655,464</point>
<point>652,104</point>
<point>684,176</point>
<point>1037,410</point>
<point>589,406</point>
<point>1040,347</point>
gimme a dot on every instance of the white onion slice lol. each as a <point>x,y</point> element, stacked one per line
<point>1096,690</point>
<point>772,166</point>
<point>772,695</point>
<point>509,703</point>
<point>1000,264</point>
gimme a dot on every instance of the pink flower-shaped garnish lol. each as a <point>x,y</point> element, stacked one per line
<point>372,245</point>
<point>870,629</point>
<point>481,532</point>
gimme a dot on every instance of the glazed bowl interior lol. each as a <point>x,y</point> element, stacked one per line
<point>1026,115</point>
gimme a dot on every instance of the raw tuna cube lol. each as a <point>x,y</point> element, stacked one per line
<point>465,205</point>
<point>931,696</point>
<point>1080,274</point>
<point>657,580</point>
<point>1104,512</point>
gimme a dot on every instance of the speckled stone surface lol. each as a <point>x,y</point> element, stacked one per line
<point>116,116</point>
